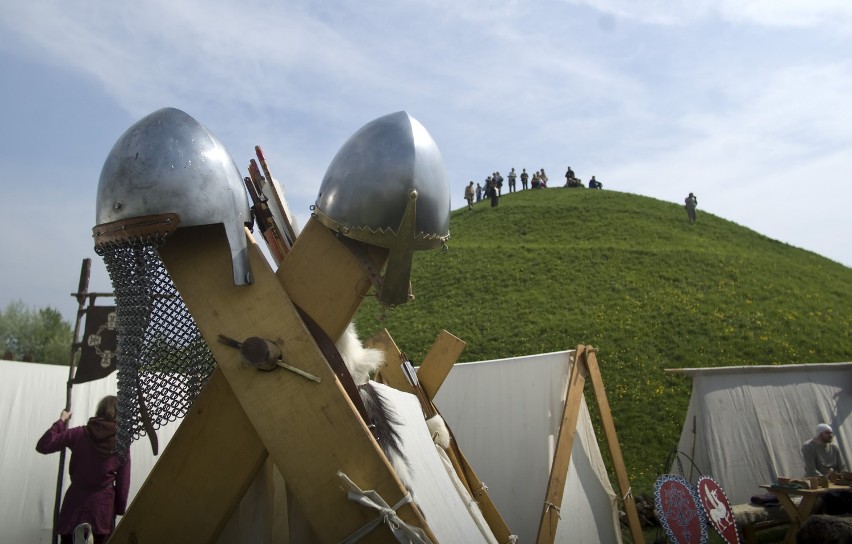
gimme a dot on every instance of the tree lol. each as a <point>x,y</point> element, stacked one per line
<point>39,333</point>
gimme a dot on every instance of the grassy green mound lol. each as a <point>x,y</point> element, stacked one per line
<point>549,269</point>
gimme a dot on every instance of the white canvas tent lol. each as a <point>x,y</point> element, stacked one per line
<point>745,425</point>
<point>506,415</point>
<point>31,397</point>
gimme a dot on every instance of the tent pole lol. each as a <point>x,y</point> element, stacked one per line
<point>692,451</point>
<point>562,453</point>
<point>82,291</point>
<point>591,362</point>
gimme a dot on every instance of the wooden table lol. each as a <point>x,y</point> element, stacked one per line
<point>798,514</point>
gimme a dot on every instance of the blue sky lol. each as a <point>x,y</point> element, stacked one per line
<point>746,103</point>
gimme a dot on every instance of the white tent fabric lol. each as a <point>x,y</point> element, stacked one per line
<point>31,397</point>
<point>745,425</point>
<point>434,487</point>
<point>506,415</point>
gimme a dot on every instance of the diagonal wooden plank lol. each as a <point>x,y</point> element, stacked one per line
<point>326,277</point>
<point>311,430</point>
<point>391,373</point>
<point>439,361</point>
<point>201,475</point>
<point>562,453</point>
<point>614,447</point>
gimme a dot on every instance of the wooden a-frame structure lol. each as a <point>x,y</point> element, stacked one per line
<point>585,365</point>
<point>311,431</point>
<point>434,369</point>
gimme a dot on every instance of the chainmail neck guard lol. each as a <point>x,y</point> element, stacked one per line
<point>162,360</point>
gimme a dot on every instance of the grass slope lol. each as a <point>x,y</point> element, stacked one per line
<point>547,270</point>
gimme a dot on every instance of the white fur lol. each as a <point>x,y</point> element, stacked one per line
<point>438,431</point>
<point>361,361</point>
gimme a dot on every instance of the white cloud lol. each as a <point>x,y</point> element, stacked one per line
<point>834,14</point>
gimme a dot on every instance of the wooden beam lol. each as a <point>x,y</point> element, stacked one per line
<point>200,476</point>
<point>311,430</point>
<point>391,373</point>
<point>591,361</point>
<point>562,453</point>
<point>325,279</point>
<point>438,362</point>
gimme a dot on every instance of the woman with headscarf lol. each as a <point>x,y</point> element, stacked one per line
<point>100,478</point>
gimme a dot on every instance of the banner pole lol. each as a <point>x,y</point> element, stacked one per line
<point>82,291</point>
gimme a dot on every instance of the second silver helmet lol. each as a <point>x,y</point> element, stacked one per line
<point>387,186</point>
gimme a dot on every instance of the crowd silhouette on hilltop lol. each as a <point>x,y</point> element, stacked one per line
<point>492,188</point>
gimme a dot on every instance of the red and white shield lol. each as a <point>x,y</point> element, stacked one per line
<point>718,509</point>
<point>680,511</point>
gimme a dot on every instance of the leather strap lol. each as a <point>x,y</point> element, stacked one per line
<point>329,351</point>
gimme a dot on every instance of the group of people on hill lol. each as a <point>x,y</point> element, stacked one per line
<point>493,188</point>
<point>573,182</point>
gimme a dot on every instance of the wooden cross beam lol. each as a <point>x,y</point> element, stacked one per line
<point>309,430</point>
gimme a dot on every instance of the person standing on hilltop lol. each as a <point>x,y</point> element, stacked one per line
<point>495,194</point>
<point>512,177</point>
<point>569,177</point>
<point>468,195</point>
<point>691,203</point>
<point>525,178</point>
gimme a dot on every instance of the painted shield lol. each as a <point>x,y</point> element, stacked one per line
<point>717,509</point>
<point>680,511</point>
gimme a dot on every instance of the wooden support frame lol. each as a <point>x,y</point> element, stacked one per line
<point>291,418</point>
<point>585,365</point>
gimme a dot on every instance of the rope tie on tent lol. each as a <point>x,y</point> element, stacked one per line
<point>549,505</point>
<point>402,531</point>
<point>513,539</point>
<point>482,488</point>
<point>629,492</point>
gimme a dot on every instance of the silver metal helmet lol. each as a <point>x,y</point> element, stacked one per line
<point>168,165</point>
<point>387,186</point>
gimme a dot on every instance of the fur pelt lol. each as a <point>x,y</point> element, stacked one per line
<point>362,362</point>
<point>439,431</point>
<point>825,530</point>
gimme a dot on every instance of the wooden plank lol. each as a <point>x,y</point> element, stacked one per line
<point>614,448</point>
<point>562,454</point>
<point>200,476</point>
<point>438,362</point>
<point>326,277</point>
<point>391,373</point>
<point>311,430</point>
